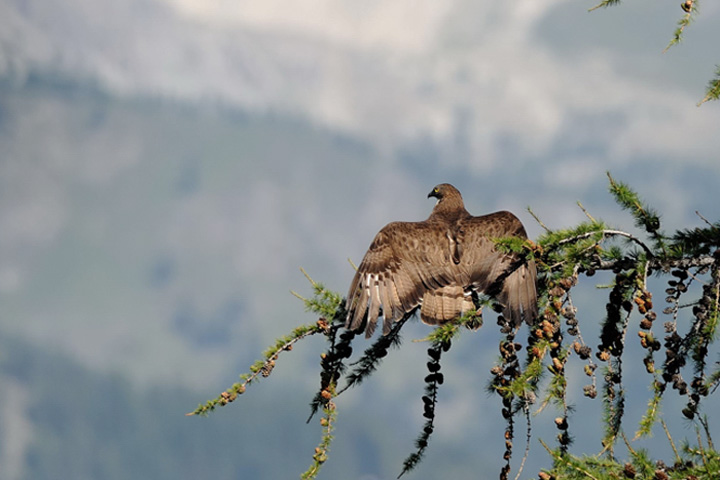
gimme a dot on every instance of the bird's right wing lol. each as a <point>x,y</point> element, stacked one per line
<point>505,276</point>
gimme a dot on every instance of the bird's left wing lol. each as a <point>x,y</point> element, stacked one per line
<point>404,261</point>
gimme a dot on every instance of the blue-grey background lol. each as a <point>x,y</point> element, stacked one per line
<point>167,166</point>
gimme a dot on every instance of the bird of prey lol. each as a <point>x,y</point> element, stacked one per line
<point>439,264</point>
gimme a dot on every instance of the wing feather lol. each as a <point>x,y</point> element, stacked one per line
<point>388,309</point>
<point>374,308</point>
<point>507,277</point>
<point>411,258</point>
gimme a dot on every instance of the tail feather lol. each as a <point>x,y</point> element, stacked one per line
<point>444,304</point>
<point>519,295</point>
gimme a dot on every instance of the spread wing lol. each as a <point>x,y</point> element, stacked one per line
<point>405,260</point>
<point>507,277</point>
<point>411,260</point>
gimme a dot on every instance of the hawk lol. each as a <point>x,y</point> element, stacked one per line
<point>439,264</point>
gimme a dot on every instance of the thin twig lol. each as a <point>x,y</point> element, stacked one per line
<point>264,370</point>
<point>684,22</point>
<point>672,443</point>
<point>307,275</point>
<point>703,218</point>
<point>609,232</point>
<point>527,440</point>
<point>607,447</point>
<point>587,214</point>
<point>693,276</point>
<point>537,219</point>
<point>704,422</point>
<point>557,264</point>
<point>627,444</point>
<point>701,449</point>
<point>294,293</point>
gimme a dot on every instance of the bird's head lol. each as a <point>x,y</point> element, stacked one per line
<point>444,190</point>
<point>449,202</point>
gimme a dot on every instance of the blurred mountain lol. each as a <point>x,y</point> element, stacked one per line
<point>124,221</point>
<point>61,420</point>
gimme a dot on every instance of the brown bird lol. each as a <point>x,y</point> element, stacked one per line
<point>440,264</point>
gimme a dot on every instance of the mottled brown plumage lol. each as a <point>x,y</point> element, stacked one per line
<point>438,264</point>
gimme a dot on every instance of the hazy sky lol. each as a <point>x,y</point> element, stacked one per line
<point>483,73</point>
<point>529,70</point>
